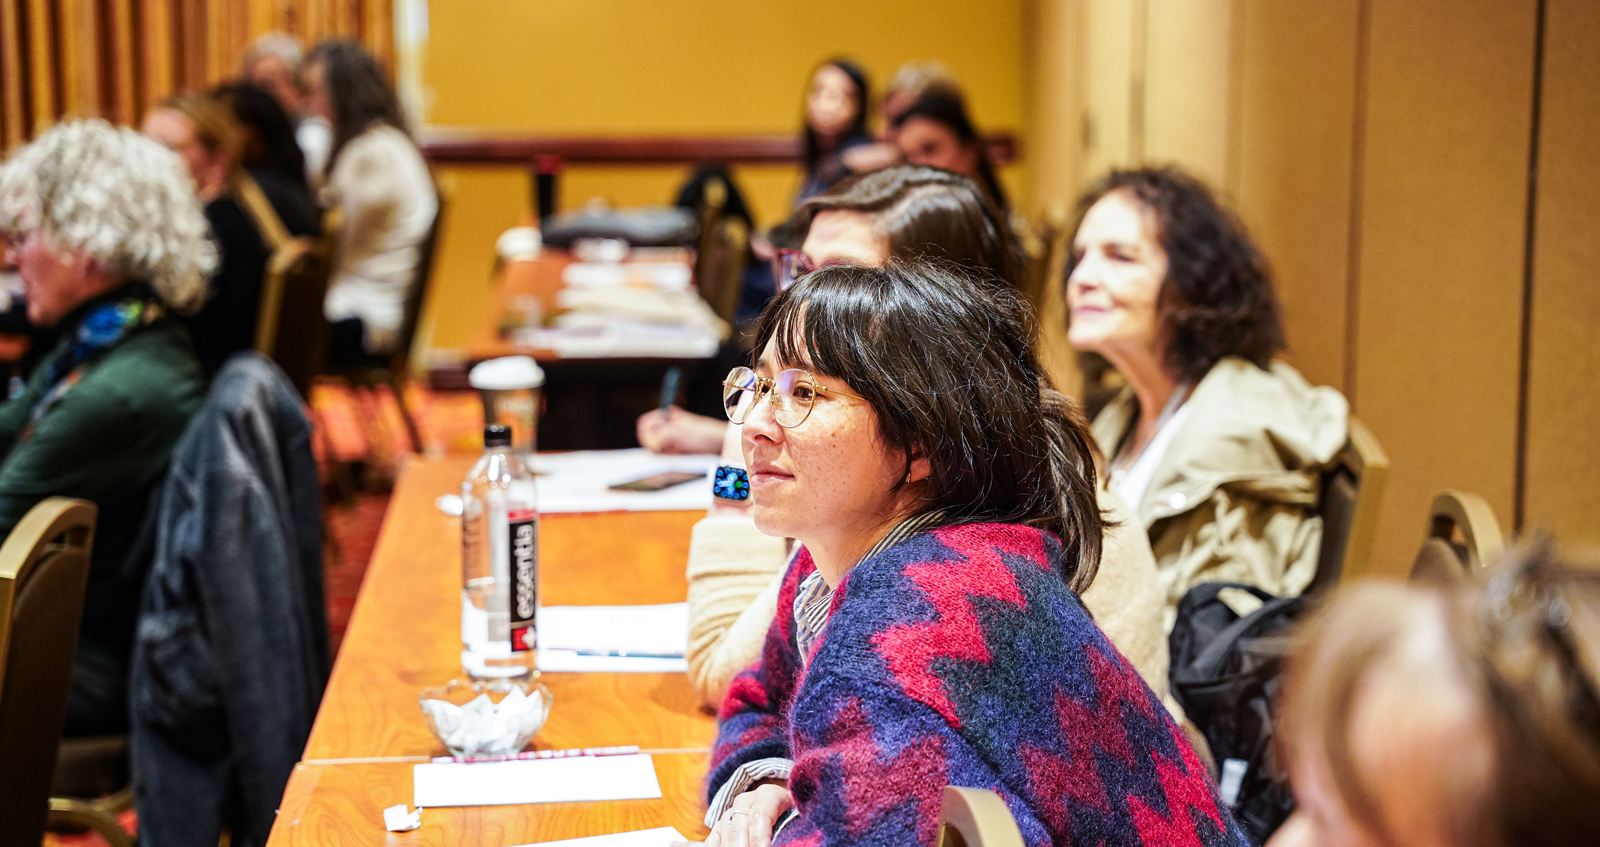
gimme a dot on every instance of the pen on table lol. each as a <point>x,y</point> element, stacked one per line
<point>541,754</point>
<point>669,387</point>
<point>627,654</point>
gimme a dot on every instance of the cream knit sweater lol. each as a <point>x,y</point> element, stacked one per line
<point>735,571</point>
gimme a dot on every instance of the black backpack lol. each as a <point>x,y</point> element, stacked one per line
<point>1226,671</point>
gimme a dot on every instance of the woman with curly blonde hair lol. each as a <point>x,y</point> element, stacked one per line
<point>106,230</point>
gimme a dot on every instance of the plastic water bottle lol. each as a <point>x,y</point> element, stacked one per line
<point>499,562</point>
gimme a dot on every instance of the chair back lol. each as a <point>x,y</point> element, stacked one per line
<point>719,268</point>
<point>417,294</point>
<point>290,327</point>
<point>1352,489</point>
<point>1443,559</point>
<point>44,566</point>
<point>976,817</point>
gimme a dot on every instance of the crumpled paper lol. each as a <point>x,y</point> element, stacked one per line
<point>481,727</point>
<point>397,819</point>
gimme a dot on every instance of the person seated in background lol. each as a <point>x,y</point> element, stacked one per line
<point>1465,715</point>
<point>898,425</point>
<point>108,234</point>
<point>835,123</point>
<point>936,131</point>
<point>1215,445</point>
<point>381,186</point>
<point>897,212</point>
<point>735,572</point>
<point>201,131</point>
<point>909,82</point>
<point>273,63</point>
<point>269,154</point>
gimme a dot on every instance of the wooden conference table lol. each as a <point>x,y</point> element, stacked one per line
<point>591,403</point>
<point>405,636</point>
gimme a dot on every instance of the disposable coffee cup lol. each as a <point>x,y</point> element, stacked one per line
<point>510,389</point>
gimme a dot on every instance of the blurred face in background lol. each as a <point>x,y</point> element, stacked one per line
<point>317,102</point>
<point>1115,283</point>
<point>178,133</point>
<point>832,103</point>
<point>924,141</point>
<point>55,281</point>
<point>274,74</point>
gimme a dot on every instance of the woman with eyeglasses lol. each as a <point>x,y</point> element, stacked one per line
<point>1459,715</point>
<point>930,632</point>
<point>735,571</point>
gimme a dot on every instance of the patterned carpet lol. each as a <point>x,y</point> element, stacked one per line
<point>360,435</point>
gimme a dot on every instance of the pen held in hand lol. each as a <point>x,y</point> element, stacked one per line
<point>669,387</point>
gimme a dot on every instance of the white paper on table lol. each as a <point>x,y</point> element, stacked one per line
<point>657,637</point>
<point>576,780</point>
<point>580,481</point>
<point>661,836</point>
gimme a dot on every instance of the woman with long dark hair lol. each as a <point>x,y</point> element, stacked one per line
<point>378,180</point>
<point>936,131</point>
<point>897,424</point>
<point>835,122</point>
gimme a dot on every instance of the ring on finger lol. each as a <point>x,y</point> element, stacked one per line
<point>732,812</point>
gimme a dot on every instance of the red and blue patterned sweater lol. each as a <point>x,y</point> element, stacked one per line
<point>960,657</point>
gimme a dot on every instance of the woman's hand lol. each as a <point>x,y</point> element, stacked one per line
<point>749,822</point>
<point>677,431</point>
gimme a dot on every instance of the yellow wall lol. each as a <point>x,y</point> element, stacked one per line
<point>684,67</point>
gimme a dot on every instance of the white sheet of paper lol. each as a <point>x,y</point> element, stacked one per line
<point>575,780</point>
<point>661,836</point>
<point>656,637</point>
<point>579,481</point>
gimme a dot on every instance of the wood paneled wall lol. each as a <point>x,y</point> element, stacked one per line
<point>63,59</point>
<point>1421,174</point>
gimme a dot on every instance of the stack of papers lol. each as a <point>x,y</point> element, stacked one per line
<point>615,639</point>
<point>575,780</point>
<point>579,481</point>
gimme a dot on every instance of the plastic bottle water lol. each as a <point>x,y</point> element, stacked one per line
<point>499,562</point>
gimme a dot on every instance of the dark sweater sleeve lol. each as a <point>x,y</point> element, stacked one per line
<point>753,723</point>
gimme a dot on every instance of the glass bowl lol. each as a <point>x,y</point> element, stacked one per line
<point>491,717</point>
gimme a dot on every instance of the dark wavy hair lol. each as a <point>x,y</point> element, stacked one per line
<point>358,92</point>
<point>931,213</point>
<point>858,128</point>
<point>946,107</point>
<point>280,154</point>
<point>1217,299</point>
<point>949,365</point>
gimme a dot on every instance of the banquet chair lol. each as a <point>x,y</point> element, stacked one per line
<point>1351,491</point>
<point>976,817</point>
<point>719,267</point>
<point>290,327</point>
<point>1442,559</point>
<point>44,568</point>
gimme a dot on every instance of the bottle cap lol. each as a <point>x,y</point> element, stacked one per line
<point>496,435</point>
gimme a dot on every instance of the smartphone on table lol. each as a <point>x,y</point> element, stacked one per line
<point>657,482</point>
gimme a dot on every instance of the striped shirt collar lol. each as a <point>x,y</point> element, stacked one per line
<point>814,596</point>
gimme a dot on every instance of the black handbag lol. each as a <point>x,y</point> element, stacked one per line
<point>1225,672</point>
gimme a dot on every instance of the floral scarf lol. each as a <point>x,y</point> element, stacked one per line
<point>105,325</point>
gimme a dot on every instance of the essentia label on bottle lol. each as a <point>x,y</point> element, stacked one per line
<point>524,528</point>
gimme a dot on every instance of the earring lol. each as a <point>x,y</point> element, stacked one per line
<point>908,476</point>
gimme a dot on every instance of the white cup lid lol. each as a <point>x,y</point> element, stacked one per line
<point>508,373</point>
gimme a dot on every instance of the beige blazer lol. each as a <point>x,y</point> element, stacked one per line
<point>1234,497</point>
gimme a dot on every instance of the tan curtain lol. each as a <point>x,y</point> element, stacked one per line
<point>64,59</point>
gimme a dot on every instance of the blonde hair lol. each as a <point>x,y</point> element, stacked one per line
<point>214,126</point>
<point>117,197</point>
<point>1522,643</point>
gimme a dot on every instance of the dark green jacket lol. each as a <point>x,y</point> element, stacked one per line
<point>107,439</point>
